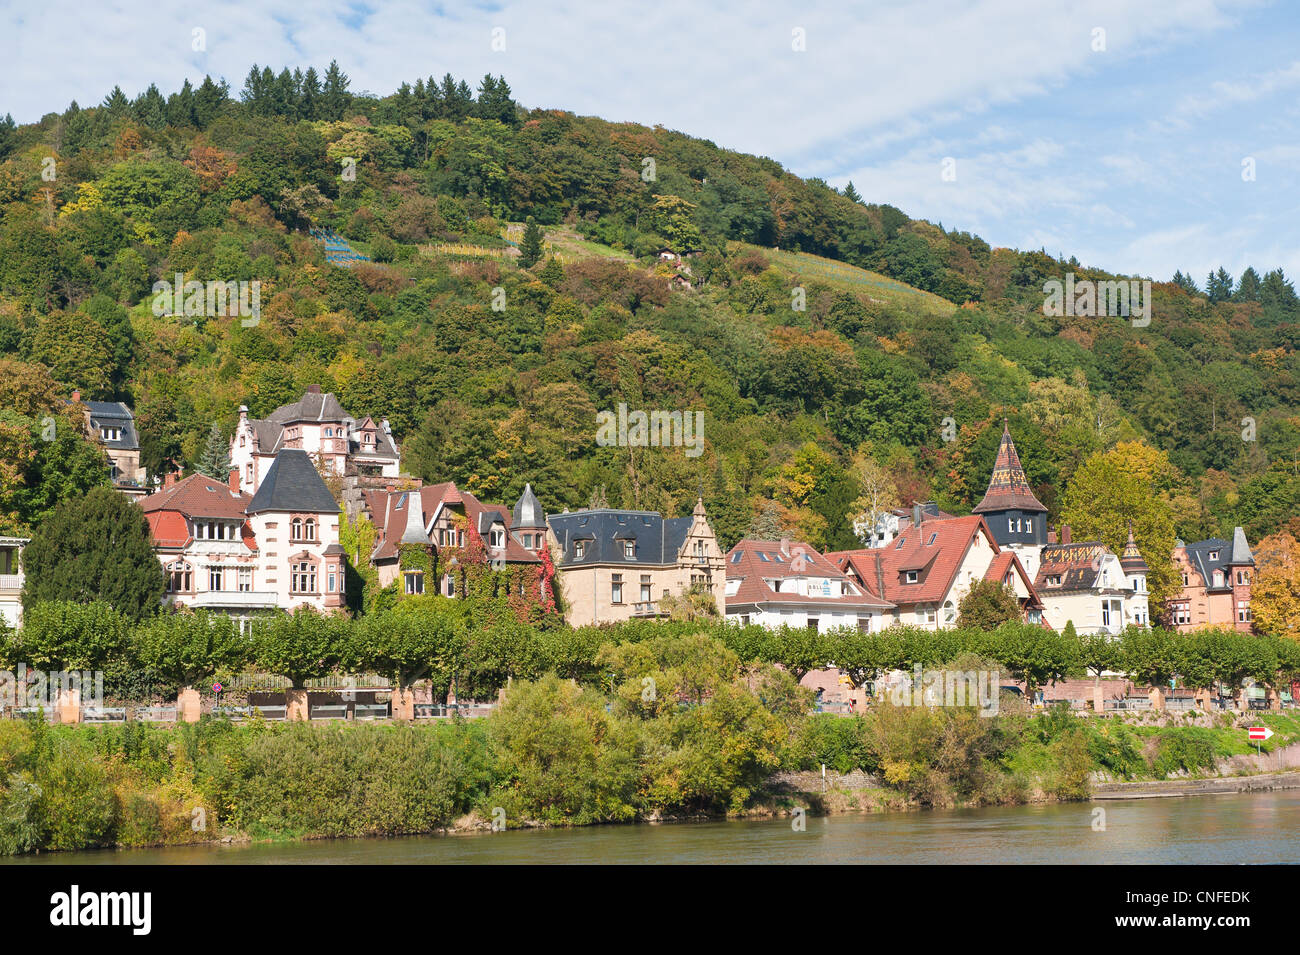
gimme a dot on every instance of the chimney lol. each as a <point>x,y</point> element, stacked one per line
<point>785,546</point>
<point>169,479</point>
<point>916,515</point>
<point>1051,537</point>
<point>313,389</point>
<point>234,481</point>
<point>76,396</point>
<point>1065,533</point>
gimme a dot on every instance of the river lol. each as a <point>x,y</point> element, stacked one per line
<point>1238,828</point>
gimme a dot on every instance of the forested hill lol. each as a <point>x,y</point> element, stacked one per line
<point>811,412</point>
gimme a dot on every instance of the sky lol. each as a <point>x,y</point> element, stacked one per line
<point>1140,137</point>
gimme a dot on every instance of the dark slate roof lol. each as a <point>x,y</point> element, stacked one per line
<point>312,406</point>
<point>114,414</point>
<point>527,512</point>
<point>292,484</point>
<point>1199,556</point>
<point>658,541</point>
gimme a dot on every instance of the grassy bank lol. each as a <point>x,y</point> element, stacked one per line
<point>708,740</point>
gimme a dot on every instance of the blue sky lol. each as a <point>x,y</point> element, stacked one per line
<point>1128,157</point>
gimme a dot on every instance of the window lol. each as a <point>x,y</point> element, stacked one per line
<point>332,578</point>
<point>629,549</point>
<point>1105,613</point>
<point>242,440</point>
<point>735,558</point>
<point>1243,611</point>
<point>949,614</point>
<point>309,529</point>
<point>933,538</point>
<point>214,578</point>
<point>1029,525</point>
<point>295,530</point>
<point>302,578</point>
<point>645,588</point>
<point>909,577</point>
<point>927,615</point>
<point>1218,578</point>
<point>616,589</point>
<point>579,549</point>
<point>245,581</point>
<point>179,578</point>
<point>497,537</point>
<point>813,624</point>
<point>1214,555</point>
<point>763,557</point>
<point>864,624</point>
<point>449,585</point>
<point>248,471</point>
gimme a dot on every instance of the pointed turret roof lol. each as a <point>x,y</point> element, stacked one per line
<point>1008,488</point>
<point>293,484</point>
<point>1241,549</point>
<point>527,513</point>
<point>414,532</point>
<point>1131,560</point>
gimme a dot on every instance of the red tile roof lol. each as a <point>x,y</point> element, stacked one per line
<point>1008,488</point>
<point>390,520</point>
<point>789,560</point>
<point>935,550</point>
<point>198,496</point>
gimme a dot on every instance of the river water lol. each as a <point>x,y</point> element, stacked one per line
<point>1227,829</point>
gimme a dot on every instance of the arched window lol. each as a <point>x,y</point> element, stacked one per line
<point>309,529</point>
<point>949,614</point>
<point>295,532</point>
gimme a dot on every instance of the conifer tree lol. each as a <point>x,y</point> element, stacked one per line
<point>215,459</point>
<point>530,248</point>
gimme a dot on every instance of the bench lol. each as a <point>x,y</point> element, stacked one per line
<point>330,711</point>
<point>156,714</point>
<point>103,714</point>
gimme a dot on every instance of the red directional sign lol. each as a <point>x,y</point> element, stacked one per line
<point>1258,733</point>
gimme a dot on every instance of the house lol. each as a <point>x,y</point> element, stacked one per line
<point>775,583</point>
<point>318,425</point>
<point>1016,517</point>
<point>1216,580</point>
<point>113,426</point>
<point>1083,582</point>
<point>428,535</point>
<point>235,553</point>
<point>295,522</point>
<point>931,566</point>
<point>11,581</point>
<point>205,543</point>
<point>615,565</point>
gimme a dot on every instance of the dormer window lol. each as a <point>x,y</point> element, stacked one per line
<point>579,549</point>
<point>909,577</point>
<point>1214,555</point>
<point>497,537</point>
<point>629,549</point>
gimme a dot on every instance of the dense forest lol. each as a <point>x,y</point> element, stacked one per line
<point>843,353</point>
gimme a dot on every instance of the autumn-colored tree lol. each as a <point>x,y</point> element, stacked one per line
<point>1131,482</point>
<point>1275,591</point>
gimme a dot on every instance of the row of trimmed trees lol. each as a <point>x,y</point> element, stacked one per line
<point>450,644</point>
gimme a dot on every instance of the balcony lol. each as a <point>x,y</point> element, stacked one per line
<point>647,608</point>
<point>230,600</point>
<point>11,582</point>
